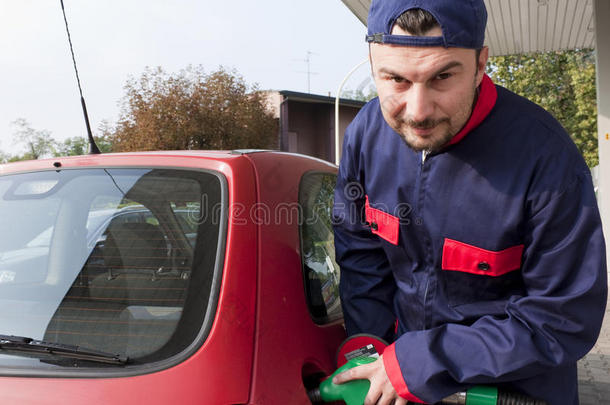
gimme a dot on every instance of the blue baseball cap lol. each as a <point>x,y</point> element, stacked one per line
<point>462,22</point>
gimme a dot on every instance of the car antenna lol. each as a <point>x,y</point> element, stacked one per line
<point>93,149</point>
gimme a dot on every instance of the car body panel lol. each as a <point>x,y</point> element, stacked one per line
<point>286,346</point>
<point>262,341</point>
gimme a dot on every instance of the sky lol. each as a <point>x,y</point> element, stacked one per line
<point>265,41</point>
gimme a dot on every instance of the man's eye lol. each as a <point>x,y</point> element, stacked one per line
<point>397,79</point>
<point>443,76</point>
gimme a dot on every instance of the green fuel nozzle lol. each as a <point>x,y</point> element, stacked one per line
<point>354,392</point>
<point>487,395</point>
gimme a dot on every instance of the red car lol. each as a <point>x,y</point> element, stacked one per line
<point>167,277</point>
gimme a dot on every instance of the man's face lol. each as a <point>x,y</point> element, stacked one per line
<point>426,93</point>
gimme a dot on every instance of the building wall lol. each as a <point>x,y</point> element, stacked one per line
<point>346,116</point>
<point>312,126</point>
<point>273,101</point>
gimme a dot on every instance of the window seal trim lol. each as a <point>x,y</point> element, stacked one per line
<point>317,320</point>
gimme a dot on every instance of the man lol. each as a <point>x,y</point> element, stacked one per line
<point>466,225</point>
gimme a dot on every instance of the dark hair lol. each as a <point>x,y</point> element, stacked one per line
<point>418,22</point>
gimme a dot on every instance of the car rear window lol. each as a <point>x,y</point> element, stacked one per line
<point>121,261</point>
<point>320,270</point>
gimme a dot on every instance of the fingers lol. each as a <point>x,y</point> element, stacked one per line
<point>374,397</point>
<point>356,373</point>
<point>399,401</point>
<point>381,391</point>
<point>380,394</point>
<point>384,398</point>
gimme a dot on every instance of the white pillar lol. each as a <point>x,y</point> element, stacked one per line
<point>602,48</point>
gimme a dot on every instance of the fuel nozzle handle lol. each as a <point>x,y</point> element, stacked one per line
<point>485,395</point>
<point>314,396</point>
<point>353,392</point>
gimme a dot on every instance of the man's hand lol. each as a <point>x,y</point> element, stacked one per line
<point>381,391</point>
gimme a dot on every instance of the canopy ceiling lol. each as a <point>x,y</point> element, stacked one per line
<point>523,26</point>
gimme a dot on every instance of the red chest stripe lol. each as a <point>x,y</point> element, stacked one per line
<point>458,256</point>
<point>382,223</point>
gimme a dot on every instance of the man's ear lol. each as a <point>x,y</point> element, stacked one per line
<point>481,64</point>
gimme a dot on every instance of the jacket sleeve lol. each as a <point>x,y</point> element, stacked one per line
<point>367,285</point>
<point>555,324</point>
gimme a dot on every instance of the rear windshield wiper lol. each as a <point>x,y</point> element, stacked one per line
<point>23,344</point>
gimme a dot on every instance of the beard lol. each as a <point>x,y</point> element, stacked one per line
<point>442,130</point>
<point>432,143</point>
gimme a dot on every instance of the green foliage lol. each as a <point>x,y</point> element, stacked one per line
<point>74,146</point>
<point>561,82</point>
<point>79,145</point>
<point>192,110</point>
<point>38,143</point>
<point>365,94</point>
<point>15,158</point>
<point>104,143</point>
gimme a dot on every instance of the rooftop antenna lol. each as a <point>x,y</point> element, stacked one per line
<point>93,149</point>
<point>309,72</point>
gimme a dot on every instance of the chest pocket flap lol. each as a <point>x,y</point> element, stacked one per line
<point>382,223</point>
<point>459,256</point>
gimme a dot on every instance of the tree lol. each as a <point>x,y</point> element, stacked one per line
<point>4,157</point>
<point>79,145</point>
<point>38,143</point>
<point>561,82</point>
<point>361,94</point>
<point>192,110</point>
<point>103,142</point>
<point>74,146</point>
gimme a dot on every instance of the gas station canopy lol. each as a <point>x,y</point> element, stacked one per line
<point>523,26</point>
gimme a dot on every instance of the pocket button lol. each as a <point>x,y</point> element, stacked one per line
<point>483,266</point>
<point>374,226</point>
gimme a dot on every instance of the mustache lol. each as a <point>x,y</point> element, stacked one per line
<point>428,123</point>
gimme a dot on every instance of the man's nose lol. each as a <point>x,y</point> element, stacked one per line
<point>420,104</point>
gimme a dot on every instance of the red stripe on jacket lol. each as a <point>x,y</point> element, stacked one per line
<point>485,103</point>
<point>392,369</point>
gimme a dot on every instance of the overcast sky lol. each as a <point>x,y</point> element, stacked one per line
<point>266,41</point>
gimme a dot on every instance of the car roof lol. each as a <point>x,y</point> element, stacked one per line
<point>180,158</point>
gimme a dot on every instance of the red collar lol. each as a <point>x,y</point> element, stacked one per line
<point>485,103</point>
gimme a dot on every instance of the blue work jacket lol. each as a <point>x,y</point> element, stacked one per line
<point>484,263</point>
